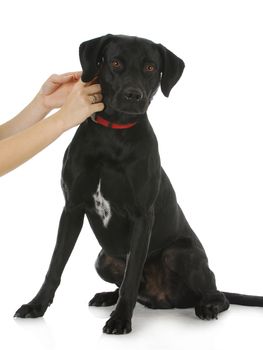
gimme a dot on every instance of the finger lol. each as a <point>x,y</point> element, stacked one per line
<point>93,89</point>
<point>95,98</point>
<point>98,97</point>
<point>91,82</point>
<point>97,107</point>
<point>58,79</point>
<point>92,99</point>
<point>61,79</point>
<point>76,74</point>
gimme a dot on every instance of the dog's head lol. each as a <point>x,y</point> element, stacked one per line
<point>129,70</point>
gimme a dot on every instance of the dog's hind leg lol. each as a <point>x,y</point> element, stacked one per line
<point>105,298</point>
<point>69,228</point>
<point>187,259</point>
<point>110,269</point>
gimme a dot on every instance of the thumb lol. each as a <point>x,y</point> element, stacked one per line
<point>61,79</point>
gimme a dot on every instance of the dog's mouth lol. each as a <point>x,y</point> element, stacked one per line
<point>129,110</point>
<point>121,105</point>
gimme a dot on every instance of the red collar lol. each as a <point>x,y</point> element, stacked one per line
<point>104,122</point>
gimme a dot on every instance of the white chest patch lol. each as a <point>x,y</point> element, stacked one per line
<point>102,206</point>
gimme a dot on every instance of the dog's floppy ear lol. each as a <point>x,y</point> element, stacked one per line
<point>90,54</point>
<point>172,69</point>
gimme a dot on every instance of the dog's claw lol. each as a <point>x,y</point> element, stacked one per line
<point>207,312</point>
<point>30,311</point>
<point>104,299</point>
<point>209,307</point>
<point>117,326</point>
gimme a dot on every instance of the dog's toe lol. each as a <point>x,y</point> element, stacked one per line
<point>211,305</point>
<point>104,299</point>
<point>30,311</point>
<point>117,326</point>
<point>207,312</point>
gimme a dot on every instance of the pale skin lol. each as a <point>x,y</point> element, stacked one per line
<point>30,132</point>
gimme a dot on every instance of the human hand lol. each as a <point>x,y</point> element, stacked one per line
<point>83,100</point>
<point>56,88</point>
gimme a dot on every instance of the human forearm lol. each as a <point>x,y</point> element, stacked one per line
<point>79,105</point>
<point>30,115</point>
<point>17,149</point>
<point>52,94</point>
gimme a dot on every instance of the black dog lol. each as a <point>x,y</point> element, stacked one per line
<point>112,173</point>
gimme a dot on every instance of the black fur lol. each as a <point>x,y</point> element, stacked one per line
<point>148,248</point>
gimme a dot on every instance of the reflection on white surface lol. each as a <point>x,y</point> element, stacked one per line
<point>38,330</point>
<point>152,329</point>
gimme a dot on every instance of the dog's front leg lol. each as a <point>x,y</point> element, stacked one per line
<point>120,320</point>
<point>69,228</point>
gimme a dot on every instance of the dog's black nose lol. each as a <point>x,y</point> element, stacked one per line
<point>133,95</point>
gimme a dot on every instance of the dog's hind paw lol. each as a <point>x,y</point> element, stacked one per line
<point>210,306</point>
<point>207,312</point>
<point>105,299</point>
<point>30,311</point>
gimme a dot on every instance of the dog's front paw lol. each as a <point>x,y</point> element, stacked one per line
<point>117,325</point>
<point>30,311</point>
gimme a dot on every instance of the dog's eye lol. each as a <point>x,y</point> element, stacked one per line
<point>116,64</point>
<point>149,68</point>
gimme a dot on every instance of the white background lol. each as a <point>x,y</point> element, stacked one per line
<point>210,139</point>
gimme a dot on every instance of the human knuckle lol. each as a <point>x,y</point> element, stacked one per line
<point>53,76</point>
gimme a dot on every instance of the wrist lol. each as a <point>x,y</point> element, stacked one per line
<point>59,121</point>
<point>40,106</point>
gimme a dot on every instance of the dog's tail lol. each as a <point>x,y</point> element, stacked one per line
<point>242,299</point>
